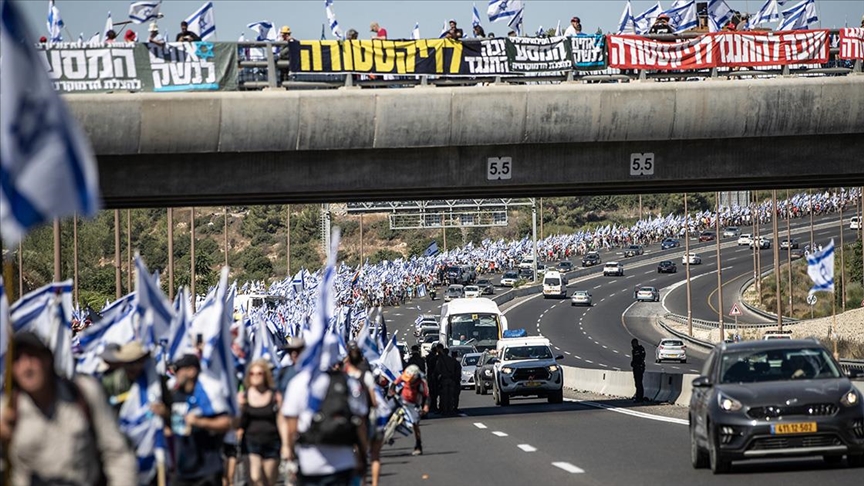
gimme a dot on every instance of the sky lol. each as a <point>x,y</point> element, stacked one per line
<point>306,17</point>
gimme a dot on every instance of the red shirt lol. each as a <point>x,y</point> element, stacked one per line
<point>413,392</point>
<point>381,34</point>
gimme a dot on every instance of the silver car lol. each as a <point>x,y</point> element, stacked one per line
<point>647,294</point>
<point>469,366</point>
<point>580,297</point>
<point>671,349</point>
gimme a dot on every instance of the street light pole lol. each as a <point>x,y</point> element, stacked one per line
<point>534,236</point>
<point>778,295</point>
<point>719,271</point>
<point>687,266</point>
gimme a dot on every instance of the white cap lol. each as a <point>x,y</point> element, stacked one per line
<point>154,27</point>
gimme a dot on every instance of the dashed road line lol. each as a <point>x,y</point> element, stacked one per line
<point>479,425</point>
<point>615,351</point>
<point>597,287</point>
<point>570,468</point>
<point>631,276</point>
<point>604,347</point>
<point>632,413</point>
<point>589,361</point>
<point>567,353</point>
<point>603,365</point>
<point>499,433</point>
<point>527,447</point>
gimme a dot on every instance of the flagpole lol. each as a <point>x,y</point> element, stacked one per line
<point>118,290</point>
<point>842,260</point>
<point>192,254</point>
<point>10,351</point>
<point>20,270</point>
<point>57,270</point>
<point>75,255</point>
<point>541,218</point>
<point>774,215</point>
<point>129,249</point>
<point>757,256</point>
<point>789,255</point>
<point>812,243</point>
<point>687,266</point>
<point>171,254</point>
<point>226,236</point>
<point>288,241</point>
<point>834,324</point>
<point>719,270</point>
<point>361,240</point>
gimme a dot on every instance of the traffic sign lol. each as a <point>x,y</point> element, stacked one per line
<point>811,299</point>
<point>735,311</point>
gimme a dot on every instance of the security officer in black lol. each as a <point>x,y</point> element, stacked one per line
<point>415,359</point>
<point>638,364</point>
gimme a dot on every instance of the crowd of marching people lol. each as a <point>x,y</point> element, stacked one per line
<point>315,385</point>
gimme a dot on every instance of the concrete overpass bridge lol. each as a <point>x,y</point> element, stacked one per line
<point>350,144</point>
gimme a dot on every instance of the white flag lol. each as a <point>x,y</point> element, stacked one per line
<point>109,25</point>
<point>47,312</point>
<point>415,34</point>
<point>646,19</point>
<point>820,268</point>
<point>47,168</point>
<point>770,12</point>
<point>503,10</point>
<point>203,21</point>
<point>475,16</point>
<point>264,29</point>
<point>142,12</point>
<point>799,17</point>
<point>682,16</point>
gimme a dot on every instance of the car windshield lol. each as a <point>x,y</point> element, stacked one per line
<point>483,282</point>
<point>751,366</point>
<point>672,342</point>
<point>646,289</point>
<point>511,275</point>
<point>528,352</point>
<point>430,338</point>
<point>580,294</point>
<point>470,360</point>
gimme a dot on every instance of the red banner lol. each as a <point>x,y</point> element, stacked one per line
<point>852,44</point>
<point>721,49</point>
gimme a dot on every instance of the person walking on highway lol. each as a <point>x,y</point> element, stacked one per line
<point>638,363</point>
<point>260,419</point>
<point>432,378</point>
<point>415,395</point>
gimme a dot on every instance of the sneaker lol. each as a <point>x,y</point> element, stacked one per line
<point>417,452</point>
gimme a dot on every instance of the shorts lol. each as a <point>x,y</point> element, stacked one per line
<point>413,412</point>
<point>269,449</point>
<point>232,450</point>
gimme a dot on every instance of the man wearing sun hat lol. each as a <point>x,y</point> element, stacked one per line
<point>122,365</point>
<point>155,36</point>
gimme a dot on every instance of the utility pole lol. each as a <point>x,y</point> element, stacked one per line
<point>57,267</point>
<point>226,235</point>
<point>789,255</point>
<point>361,240</point>
<point>171,253</point>
<point>687,266</point>
<point>534,236</point>
<point>192,256</point>
<point>129,250</point>
<point>288,241</point>
<point>719,271</point>
<point>75,256</point>
<point>774,215</point>
<point>842,259</point>
<point>118,286</point>
<point>541,218</point>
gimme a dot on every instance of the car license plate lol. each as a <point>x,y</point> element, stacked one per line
<point>796,428</point>
<point>533,383</point>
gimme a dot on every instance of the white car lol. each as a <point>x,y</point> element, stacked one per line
<point>647,294</point>
<point>855,223</point>
<point>671,349</point>
<point>731,232</point>
<point>509,279</point>
<point>469,366</point>
<point>527,263</point>
<point>471,291</point>
<point>691,259</point>
<point>580,297</point>
<point>613,268</point>
<point>745,239</point>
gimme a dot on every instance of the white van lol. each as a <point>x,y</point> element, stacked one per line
<point>554,285</point>
<point>476,321</point>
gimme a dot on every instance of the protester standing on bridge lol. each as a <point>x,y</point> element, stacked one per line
<point>380,32</point>
<point>638,363</point>
<point>575,27</point>
<point>186,35</point>
<point>259,423</point>
<point>661,26</point>
<point>155,36</point>
<point>352,34</point>
<point>59,431</point>
<point>479,33</point>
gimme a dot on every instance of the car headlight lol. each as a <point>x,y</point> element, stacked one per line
<point>728,403</point>
<point>850,399</point>
<point>553,368</point>
<point>507,370</point>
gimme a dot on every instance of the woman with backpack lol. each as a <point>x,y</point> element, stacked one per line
<point>259,423</point>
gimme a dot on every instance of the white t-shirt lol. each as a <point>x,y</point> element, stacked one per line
<point>571,31</point>
<point>319,460</point>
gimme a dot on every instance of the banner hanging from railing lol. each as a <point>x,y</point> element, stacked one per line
<point>721,49</point>
<point>538,54</point>
<point>589,52</point>
<point>852,44</point>
<point>185,66</point>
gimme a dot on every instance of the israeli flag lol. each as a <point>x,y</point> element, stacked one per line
<point>682,16</point>
<point>719,14</point>
<point>646,19</point>
<point>47,312</point>
<point>154,310</point>
<point>820,268</point>
<point>109,25</point>
<point>475,15</point>
<point>55,23</point>
<point>217,378</point>
<point>203,21</point>
<point>143,12</point>
<point>558,32</point>
<point>415,34</point>
<point>140,425</point>
<point>95,39</point>
<point>390,362</point>
<point>503,9</point>
<point>799,17</point>
<point>627,24</point>
<point>331,20</point>
<point>5,331</point>
<point>516,21</point>
<point>117,326</point>
<point>770,12</point>
<point>179,342</point>
<point>47,168</point>
<point>539,32</point>
<point>264,29</point>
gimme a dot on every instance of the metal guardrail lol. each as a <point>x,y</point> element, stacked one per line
<point>768,315</point>
<point>256,74</point>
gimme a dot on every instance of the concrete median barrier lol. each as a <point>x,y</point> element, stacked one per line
<point>659,386</point>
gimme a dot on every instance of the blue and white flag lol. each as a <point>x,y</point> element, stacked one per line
<point>431,250</point>
<point>47,312</point>
<point>415,34</point>
<point>820,268</point>
<point>390,361</point>
<point>627,24</point>
<point>331,20</point>
<point>117,327</point>
<point>217,377</point>
<point>770,12</point>
<point>646,19</point>
<point>558,32</point>
<point>154,310</point>
<point>143,12</point>
<point>475,15</point>
<point>444,30</point>
<point>5,331</point>
<point>799,17</point>
<point>203,21</point>
<point>719,14</point>
<point>109,25</point>
<point>682,16</point>
<point>264,29</point>
<point>179,340</point>
<point>47,168</point>
<point>539,32</point>
<point>503,9</point>
<point>140,425</point>
<point>516,21</point>
<point>55,23</point>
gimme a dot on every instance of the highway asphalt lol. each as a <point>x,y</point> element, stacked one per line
<point>604,441</point>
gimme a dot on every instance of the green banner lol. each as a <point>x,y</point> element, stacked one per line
<point>184,66</point>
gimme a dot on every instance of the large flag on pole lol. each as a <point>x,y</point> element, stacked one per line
<point>820,268</point>
<point>143,12</point>
<point>55,23</point>
<point>217,376</point>
<point>516,21</point>
<point>682,16</point>
<point>47,312</point>
<point>203,21</point>
<point>47,168</point>
<point>109,25</point>
<point>415,34</point>
<point>475,16</point>
<point>719,14</point>
<point>331,20</point>
<point>503,10</point>
<point>142,427</point>
<point>264,29</point>
<point>627,24</point>
<point>799,17</point>
<point>770,12</point>
<point>646,19</point>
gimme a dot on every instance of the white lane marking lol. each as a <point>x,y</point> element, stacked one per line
<point>397,314</point>
<point>527,447</point>
<point>597,287</point>
<point>479,425</point>
<point>567,353</point>
<point>568,467</point>
<point>616,368</point>
<point>603,365</point>
<point>604,298</point>
<point>676,367</point>
<point>556,347</point>
<point>615,351</point>
<point>633,413</point>
<point>631,276</point>
<point>499,433</point>
<point>589,361</point>
<point>604,347</point>
<point>695,371</point>
<point>583,332</point>
<point>613,281</point>
<point>653,279</point>
<point>626,355</point>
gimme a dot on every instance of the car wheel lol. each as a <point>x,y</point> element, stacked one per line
<point>718,463</point>
<point>855,460</point>
<point>556,397</point>
<point>504,399</point>
<point>698,455</point>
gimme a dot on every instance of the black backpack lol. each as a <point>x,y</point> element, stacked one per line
<point>334,423</point>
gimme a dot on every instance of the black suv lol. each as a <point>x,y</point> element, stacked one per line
<point>565,266</point>
<point>667,266</point>
<point>774,398</point>
<point>591,259</point>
